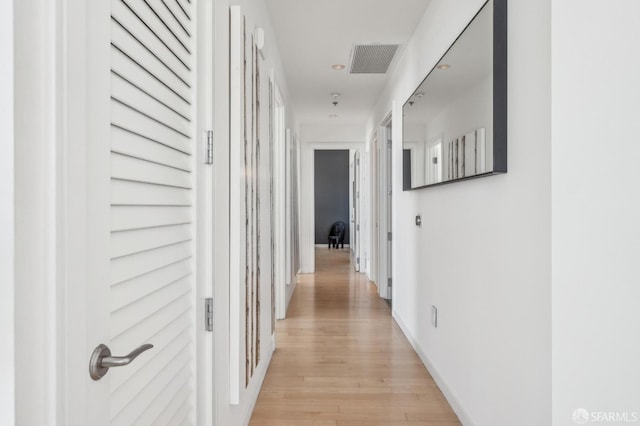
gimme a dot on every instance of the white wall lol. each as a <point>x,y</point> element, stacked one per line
<point>7,290</point>
<point>482,255</point>
<point>314,133</point>
<point>256,16</point>
<point>596,208</point>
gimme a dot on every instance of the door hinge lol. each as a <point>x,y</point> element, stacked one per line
<point>358,260</point>
<point>209,156</point>
<point>357,227</point>
<point>389,236</point>
<point>208,314</point>
<point>389,144</point>
<point>389,282</point>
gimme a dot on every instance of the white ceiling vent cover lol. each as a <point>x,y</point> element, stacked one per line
<point>372,58</point>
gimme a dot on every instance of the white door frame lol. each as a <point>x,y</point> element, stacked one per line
<point>236,200</point>
<point>40,168</point>
<point>352,219</point>
<point>7,275</point>
<point>307,198</point>
<point>206,206</point>
<point>382,186</point>
<point>221,222</point>
<point>374,201</point>
<point>288,203</point>
<point>357,216</point>
<point>279,195</point>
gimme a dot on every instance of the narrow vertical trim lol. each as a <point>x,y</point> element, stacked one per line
<point>7,277</point>
<point>500,85</point>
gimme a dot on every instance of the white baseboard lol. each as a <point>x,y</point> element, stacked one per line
<point>448,393</point>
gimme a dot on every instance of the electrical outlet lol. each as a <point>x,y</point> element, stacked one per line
<point>434,316</point>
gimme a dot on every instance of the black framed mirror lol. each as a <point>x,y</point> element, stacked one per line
<point>455,122</point>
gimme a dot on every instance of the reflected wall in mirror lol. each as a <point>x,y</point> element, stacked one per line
<point>455,122</point>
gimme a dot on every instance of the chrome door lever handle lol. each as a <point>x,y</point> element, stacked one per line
<point>101,360</point>
<point>119,361</point>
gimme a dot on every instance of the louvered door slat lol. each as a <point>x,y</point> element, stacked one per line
<point>130,291</point>
<point>131,315</point>
<point>128,218</point>
<point>178,390</point>
<point>134,97</point>
<point>178,418</point>
<point>133,387</point>
<point>136,122</point>
<point>179,402</point>
<point>142,194</point>
<point>124,167</point>
<point>130,24</point>
<point>177,14</point>
<point>123,44</point>
<point>152,218</point>
<point>170,22</point>
<point>132,242</point>
<point>126,268</point>
<point>175,421</point>
<point>156,323</point>
<point>166,336</point>
<point>156,28</point>
<point>148,81</point>
<point>184,7</point>
<point>128,411</point>
<point>134,146</point>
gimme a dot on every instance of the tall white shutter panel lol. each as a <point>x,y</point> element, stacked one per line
<point>152,281</point>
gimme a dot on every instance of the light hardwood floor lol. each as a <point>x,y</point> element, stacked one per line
<point>342,361</point>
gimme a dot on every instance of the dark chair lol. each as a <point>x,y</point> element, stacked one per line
<point>336,234</point>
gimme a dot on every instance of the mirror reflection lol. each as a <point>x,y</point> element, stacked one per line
<point>448,120</point>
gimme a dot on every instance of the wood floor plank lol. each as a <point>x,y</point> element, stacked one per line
<point>342,361</point>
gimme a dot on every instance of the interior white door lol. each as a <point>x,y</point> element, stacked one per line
<point>139,216</point>
<point>375,213</point>
<point>356,206</point>
<point>389,205</point>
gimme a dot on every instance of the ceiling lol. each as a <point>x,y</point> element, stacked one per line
<point>315,34</point>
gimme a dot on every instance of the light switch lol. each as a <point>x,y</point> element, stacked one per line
<point>434,316</point>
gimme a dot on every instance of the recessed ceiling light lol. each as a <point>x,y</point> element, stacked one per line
<point>444,67</point>
<point>335,95</point>
<point>338,67</point>
<point>333,116</point>
<point>419,95</point>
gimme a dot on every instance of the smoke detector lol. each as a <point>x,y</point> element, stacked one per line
<point>372,58</point>
<point>335,96</point>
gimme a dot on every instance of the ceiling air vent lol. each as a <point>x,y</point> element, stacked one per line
<point>372,58</point>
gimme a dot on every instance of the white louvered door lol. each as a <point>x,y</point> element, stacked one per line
<point>141,198</point>
<point>152,284</point>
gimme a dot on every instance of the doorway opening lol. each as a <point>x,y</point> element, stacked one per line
<point>333,199</point>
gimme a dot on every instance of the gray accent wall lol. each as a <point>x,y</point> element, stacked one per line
<point>331,192</point>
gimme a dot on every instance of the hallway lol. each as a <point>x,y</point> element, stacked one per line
<point>341,359</point>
